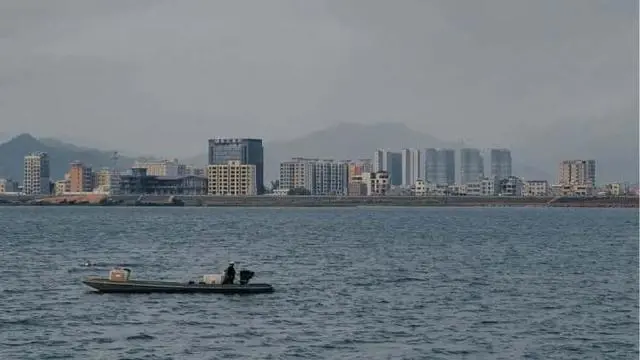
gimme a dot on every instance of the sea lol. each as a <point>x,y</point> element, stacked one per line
<point>350,283</point>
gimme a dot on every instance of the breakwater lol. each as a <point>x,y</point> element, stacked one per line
<point>320,201</point>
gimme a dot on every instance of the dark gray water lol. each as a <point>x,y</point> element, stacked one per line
<point>376,283</point>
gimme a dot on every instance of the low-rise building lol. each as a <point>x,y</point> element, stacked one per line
<point>511,186</point>
<point>357,186</point>
<point>572,190</point>
<point>232,178</point>
<point>536,188</point>
<point>8,186</point>
<point>377,183</point>
<point>62,186</point>
<point>138,182</point>
<point>419,188</point>
<point>616,189</point>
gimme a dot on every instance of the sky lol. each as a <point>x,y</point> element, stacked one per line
<point>162,76</point>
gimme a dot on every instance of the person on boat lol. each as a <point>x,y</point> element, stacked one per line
<point>230,274</point>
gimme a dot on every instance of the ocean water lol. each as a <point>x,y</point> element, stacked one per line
<point>351,283</point>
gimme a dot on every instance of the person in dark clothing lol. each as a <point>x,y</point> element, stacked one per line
<point>230,274</point>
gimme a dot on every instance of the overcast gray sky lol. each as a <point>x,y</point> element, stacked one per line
<point>163,76</point>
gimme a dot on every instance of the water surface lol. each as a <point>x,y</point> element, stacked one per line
<point>351,283</point>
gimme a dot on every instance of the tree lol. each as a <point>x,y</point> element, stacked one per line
<point>299,191</point>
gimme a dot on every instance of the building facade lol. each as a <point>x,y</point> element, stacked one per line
<point>391,162</point>
<point>246,151</point>
<point>138,182</point>
<point>298,173</point>
<point>377,183</point>
<point>411,166</point>
<point>330,178</point>
<point>8,186</point>
<point>37,175</point>
<point>577,172</point>
<point>501,163</point>
<point>440,166</point>
<point>537,188</point>
<point>80,178</point>
<point>511,186</point>
<point>233,178</point>
<point>160,167</point>
<point>471,165</point>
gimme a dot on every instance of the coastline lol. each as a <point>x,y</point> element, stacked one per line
<point>319,201</point>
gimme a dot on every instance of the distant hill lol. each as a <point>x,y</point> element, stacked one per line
<point>355,141</point>
<point>61,154</point>
<point>612,142</point>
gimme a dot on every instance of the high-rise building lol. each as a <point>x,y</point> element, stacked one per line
<point>37,174</point>
<point>233,178</point>
<point>330,178</point>
<point>297,173</point>
<point>577,172</point>
<point>411,166</point>
<point>391,162</point>
<point>80,178</point>
<point>501,163</point>
<point>246,151</point>
<point>440,166</point>
<point>471,165</point>
<point>319,177</point>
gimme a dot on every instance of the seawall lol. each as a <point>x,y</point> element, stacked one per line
<point>323,201</point>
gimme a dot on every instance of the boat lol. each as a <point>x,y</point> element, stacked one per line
<point>119,282</point>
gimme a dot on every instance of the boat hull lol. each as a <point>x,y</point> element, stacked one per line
<point>145,287</point>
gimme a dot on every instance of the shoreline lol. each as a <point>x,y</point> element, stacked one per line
<point>318,201</point>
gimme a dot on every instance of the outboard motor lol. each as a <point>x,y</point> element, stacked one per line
<point>245,276</point>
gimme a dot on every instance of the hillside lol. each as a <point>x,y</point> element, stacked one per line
<point>61,154</point>
<point>355,141</point>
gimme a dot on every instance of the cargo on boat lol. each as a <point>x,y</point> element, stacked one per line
<point>119,282</point>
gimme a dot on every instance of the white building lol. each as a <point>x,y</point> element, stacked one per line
<point>512,186</point>
<point>419,188</point>
<point>411,166</point>
<point>233,178</point>
<point>377,183</point>
<point>536,188</point>
<point>487,186</point>
<point>36,174</point>
<point>297,174</point>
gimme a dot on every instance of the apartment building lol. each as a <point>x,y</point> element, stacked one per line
<point>537,188</point>
<point>577,172</point>
<point>440,166</point>
<point>471,165</point>
<point>330,178</point>
<point>298,173</point>
<point>233,178</point>
<point>501,163</point>
<point>80,178</point>
<point>391,162</point>
<point>37,174</point>
<point>411,166</point>
<point>377,183</point>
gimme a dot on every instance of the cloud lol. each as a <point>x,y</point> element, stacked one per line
<point>163,76</point>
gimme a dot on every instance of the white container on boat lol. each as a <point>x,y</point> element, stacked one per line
<point>119,274</point>
<point>212,279</point>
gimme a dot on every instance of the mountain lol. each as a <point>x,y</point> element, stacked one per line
<point>60,154</point>
<point>612,142</point>
<point>356,141</point>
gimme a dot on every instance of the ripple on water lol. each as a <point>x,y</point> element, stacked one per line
<point>351,283</point>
